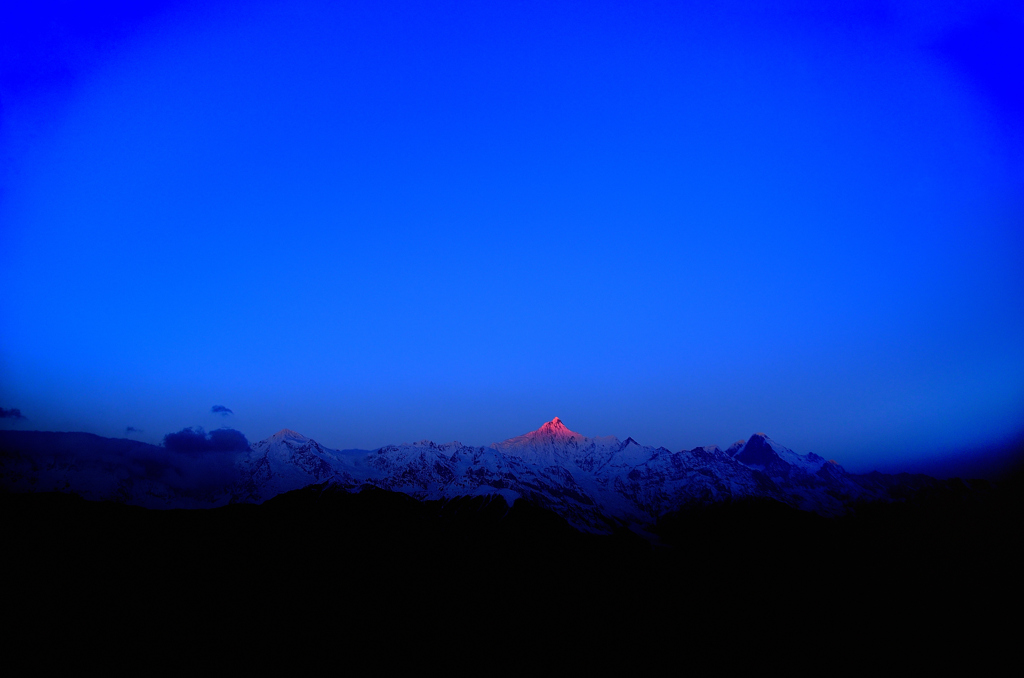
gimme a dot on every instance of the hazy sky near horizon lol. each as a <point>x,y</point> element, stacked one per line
<point>381,221</point>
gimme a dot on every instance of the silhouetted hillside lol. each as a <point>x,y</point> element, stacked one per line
<point>377,566</point>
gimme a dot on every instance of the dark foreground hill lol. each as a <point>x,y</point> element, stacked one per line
<point>324,570</point>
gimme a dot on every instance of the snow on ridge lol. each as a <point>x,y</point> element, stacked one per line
<point>760,451</point>
<point>554,443</point>
<point>286,433</point>
<point>592,482</point>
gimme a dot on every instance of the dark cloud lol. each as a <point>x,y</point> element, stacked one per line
<point>132,429</point>
<point>189,441</point>
<point>101,465</point>
<point>13,413</point>
<point>221,410</point>
<point>228,440</point>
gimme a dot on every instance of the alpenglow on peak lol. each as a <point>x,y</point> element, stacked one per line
<point>555,428</point>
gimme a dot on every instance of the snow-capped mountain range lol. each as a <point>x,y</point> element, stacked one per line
<point>597,484</point>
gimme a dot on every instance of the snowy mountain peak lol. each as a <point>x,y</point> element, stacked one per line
<point>761,438</point>
<point>554,429</point>
<point>288,433</point>
<point>553,441</point>
<point>735,447</point>
<point>761,452</point>
<point>758,451</point>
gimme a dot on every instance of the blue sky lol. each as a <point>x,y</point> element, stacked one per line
<point>393,221</point>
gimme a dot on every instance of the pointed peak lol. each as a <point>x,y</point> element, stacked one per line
<point>552,435</point>
<point>759,439</point>
<point>288,433</point>
<point>735,447</point>
<point>758,451</point>
<point>554,429</point>
<point>831,468</point>
<point>555,426</point>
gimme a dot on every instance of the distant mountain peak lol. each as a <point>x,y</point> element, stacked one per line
<point>735,447</point>
<point>763,439</point>
<point>554,429</point>
<point>552,435</point>
<point>288,433</point>
<point>758,451</point>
